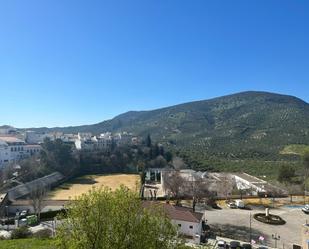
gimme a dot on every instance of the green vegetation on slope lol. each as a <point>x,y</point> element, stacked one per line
<point>295,149</point>
<point>253,126</point>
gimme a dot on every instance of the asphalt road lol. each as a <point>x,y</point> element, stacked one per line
<point>237,221</point>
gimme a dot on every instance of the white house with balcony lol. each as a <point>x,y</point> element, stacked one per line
<point>13,149</point>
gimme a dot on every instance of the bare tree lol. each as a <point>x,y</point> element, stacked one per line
<point>200,188</point>
<point>173,183</point>
<point>225,186</point>
<point>178,163</point>
<point>37,194</point>
<point>294,189</point>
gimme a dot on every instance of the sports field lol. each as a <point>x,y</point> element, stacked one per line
<point>81,185</point>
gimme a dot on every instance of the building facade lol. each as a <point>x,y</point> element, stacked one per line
<point>13,149</point>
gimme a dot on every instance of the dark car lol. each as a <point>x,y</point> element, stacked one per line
<point>235,245</point>
<point>246,246</point>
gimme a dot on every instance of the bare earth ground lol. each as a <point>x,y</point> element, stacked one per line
<point>83,184</point>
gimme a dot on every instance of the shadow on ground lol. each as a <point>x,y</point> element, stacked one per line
<point>83,180</point>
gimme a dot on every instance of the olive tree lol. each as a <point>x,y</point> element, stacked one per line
<point>103,219</point>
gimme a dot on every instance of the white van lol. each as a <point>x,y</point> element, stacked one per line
<point>240,203</point>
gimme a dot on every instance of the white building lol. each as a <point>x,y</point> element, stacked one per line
<point>247,182</point>
<point>4,153</point>
<point>33,137</point>
<point>85,141</point>
<point>6,130</point>
<point>189,223</point>
<point>68,138</point>
<point>13,149</point>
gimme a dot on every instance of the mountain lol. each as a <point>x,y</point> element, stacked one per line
<point>248,125</point>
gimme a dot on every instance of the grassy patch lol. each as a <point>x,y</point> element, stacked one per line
<point>27,244</point>
<point>295,149</point>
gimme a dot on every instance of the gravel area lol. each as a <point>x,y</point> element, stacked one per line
<point>236,222</point>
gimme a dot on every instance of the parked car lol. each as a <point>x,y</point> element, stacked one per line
<point>23,213</point>
<point>222,245</point>
<point>235,245</point>
<point>240,203</point>
<point>231,205</point>
<point>305,209</point>
<point>246,246</point>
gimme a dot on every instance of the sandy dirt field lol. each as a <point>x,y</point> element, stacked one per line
<point>83,184</point>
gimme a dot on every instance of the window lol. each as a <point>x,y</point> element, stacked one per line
<point>191,227</point>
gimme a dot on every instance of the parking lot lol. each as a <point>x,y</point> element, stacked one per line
<point>230,222</point>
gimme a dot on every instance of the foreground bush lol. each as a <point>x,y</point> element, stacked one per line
<point>43,234</point>
<point>103,219</point>
<point>21,233</point>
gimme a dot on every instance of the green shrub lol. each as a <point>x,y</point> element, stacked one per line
<point>21,233</point>
<point>43,234</point>
<point>51,214</point>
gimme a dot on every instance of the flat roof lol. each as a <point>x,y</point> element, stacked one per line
<point>249,178</point>
<point>9,139</point>
<point>2,197</point>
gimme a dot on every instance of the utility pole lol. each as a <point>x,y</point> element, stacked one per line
<point>250,223</point>
<point>7,217</point>
<point>275,237</point>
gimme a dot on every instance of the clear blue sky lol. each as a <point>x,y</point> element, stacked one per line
<point>70,62</point>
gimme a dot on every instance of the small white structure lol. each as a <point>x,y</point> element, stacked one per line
<point>189,223</point>
<point>33,137</point>
<point>240,203</point>
<point>247,182</point>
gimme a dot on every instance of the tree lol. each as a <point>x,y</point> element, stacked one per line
<point>38,192</point>
<point>178,163</point>
<point>103,219</point>
<point>225,186</point>
<point>148,141</point>
<point>198,188</point>
<point>286,173</point>
<point>173,184</point>
<point>57,156</point>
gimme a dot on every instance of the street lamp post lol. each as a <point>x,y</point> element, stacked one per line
<point>250,232</point>
<point>7,217</point>
<point>275,237</point>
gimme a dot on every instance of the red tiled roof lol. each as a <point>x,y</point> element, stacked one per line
<point>176,212</point>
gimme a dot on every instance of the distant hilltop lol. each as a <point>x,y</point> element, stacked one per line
<point>239,126</point>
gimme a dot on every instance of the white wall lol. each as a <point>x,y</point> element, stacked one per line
<point>186,230</point>
<point>4,155</point>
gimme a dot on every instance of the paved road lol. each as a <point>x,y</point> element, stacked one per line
<point>237,220</point>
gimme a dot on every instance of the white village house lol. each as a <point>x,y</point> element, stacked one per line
<point>189,223</point>
<point>13,149</point>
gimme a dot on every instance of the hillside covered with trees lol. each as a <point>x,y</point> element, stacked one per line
<point>233,132</point>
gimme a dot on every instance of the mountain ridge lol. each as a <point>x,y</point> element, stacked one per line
<point>133,112</point>
<point>244,131</point>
